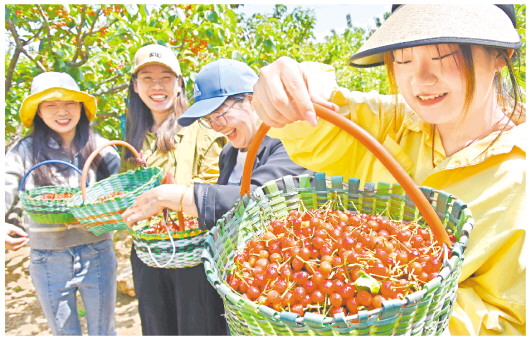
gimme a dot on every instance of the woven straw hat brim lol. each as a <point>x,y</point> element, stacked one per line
<point>30,104</point>
<point>418,25</point>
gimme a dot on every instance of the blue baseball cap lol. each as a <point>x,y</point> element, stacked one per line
<point>215,82</point>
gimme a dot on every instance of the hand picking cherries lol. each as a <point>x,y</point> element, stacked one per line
<point>330,261</point>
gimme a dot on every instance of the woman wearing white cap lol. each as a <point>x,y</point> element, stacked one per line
<point>223,93</point>
<point>170,301</point>
<point>64,259</point>
<point>455,126</point>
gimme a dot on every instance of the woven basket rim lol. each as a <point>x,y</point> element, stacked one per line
<point>30,193</point>
<point>78,202</point>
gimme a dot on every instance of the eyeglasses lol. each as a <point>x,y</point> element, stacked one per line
<point>216,118</point>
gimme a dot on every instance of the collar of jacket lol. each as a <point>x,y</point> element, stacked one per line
<point>478,152</point>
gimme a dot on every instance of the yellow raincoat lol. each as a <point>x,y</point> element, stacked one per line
<point>491,295</point>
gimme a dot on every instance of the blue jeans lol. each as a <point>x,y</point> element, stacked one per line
<point>89,269</point>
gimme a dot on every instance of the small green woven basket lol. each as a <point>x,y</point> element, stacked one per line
<point>424,312</point>
<point>103,216</point>
<point>47,211</point>
<point>95,209</point>
<point>177,249</point>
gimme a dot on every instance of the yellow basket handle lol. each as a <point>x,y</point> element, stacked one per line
<point>377,149</point>
<point>94,154</point>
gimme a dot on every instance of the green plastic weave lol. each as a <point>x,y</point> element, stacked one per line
<point>425,312</point>
<point>47,211</point>
<point>104,216</point>
<point>158,250</point>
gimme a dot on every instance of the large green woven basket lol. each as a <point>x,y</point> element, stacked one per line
<point>104,216</point>
<point>177,249</point>
<point>425,312</point>
<point>92,206</point>
<point>47,211</point>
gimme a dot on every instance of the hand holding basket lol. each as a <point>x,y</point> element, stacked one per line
<point>173,249</point>
<point>100,207</point>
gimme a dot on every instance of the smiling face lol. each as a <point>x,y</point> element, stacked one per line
<point>61,116</point>
<point>237,121</point>
<point>432,81</point>
<point>157,86</point>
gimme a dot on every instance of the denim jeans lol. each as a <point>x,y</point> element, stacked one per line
<point>89,269</point>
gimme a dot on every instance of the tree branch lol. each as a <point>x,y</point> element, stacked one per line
<point>38,63</point>
<point>46,23</point>
<point>114,89</point>
<point>106,81</point>
<point>19,43</point>
<point>79,38</point>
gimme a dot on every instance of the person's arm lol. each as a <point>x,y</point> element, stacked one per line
<point>15,237</point>
<point>286,90</point>
<point>150,203</point>
<point>213,201</point>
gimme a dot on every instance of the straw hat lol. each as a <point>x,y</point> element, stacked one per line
<point>156,54</point>
<point>419,24</point>
<point>49,86</point>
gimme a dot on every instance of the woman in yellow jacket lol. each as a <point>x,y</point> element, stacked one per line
<point>453,127</point>
<point>171,301</point>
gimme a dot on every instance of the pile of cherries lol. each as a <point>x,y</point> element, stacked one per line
<point>109,196</point>
<point>159,227</point>
<point>330,261</point>
<point>56,196</point>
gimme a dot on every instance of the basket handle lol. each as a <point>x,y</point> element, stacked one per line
<point>23,181</point>
<point>376,148</point>
<point>172,255</point>
<point>95,153</point>
<point>169,179</point>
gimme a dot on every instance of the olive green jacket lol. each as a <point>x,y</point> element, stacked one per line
<point>195,157</point>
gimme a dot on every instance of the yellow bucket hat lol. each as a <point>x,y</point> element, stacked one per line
<point>54,86</point>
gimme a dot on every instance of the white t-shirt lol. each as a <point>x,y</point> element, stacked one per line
<point>235,176</point>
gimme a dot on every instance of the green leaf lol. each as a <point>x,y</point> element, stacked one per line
<point>269,45</point>
<point>143,11</point>
<point>212,16</point>
<point>366,282</point>
<point>7,14</point>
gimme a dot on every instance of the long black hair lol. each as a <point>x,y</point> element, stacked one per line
<point>84,142</point>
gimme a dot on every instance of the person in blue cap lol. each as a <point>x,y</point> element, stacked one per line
<point>222,102</point>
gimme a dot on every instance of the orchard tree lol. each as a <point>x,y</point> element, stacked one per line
<point>95,44</point>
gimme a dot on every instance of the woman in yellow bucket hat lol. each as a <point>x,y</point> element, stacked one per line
<point>64,259</point>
